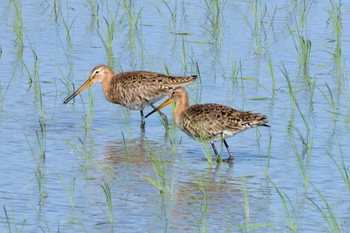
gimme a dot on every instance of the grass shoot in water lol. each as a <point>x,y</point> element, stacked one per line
<point>89,114</point>
<point>327,212</point>
<point>11,223</point>
<point>160,167</point>
<point>246,205</point>
<point>1,98</point>
<point>69,26</point>
<point>290,219</point>
<point>341,166</point>
<point>108,33</point>
<point>39,157</point>
<point>304,157</point>
<point>1,94</point>
<point>215,18</point>
<point>70,190</point>
<point>173,12</point>
<point>304,55</point>
<point>335,16</point>
<point>134,20</point>
<point>94,12</point>
<point>18,26</point>
<point>299,35</point>
<point>236,70</point>
<point>269,152</point>
<point>203,223</point>
<point>258,29</point>
<point>291,97</point>
<point>57,9</point>
<point>34,81</point>
<point>109,201</point>
<point>202,219</point>
<point>303,48</point>
<point>272,73</point>
<point>301,11</point>
<point>330,100</point>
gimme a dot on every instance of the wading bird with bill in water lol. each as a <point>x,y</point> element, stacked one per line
<point>134,90</point>
<point>210,122</point>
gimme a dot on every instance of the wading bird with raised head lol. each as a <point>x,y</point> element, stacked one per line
<point>134,90</point>
<point>210,122</point>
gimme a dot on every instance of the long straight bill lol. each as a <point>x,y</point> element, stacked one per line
<point>165,103</point>
<point>80,89</point>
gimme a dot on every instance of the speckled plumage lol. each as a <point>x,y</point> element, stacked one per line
<point>211,122</point>
<point>135,89</point>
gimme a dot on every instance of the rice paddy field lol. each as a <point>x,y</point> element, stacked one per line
<point>87,166</point>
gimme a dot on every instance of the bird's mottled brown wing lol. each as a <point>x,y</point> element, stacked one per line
<point>142,87</point>
<point>210,120</point>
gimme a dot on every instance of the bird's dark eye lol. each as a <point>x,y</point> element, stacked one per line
<point>97,71</point>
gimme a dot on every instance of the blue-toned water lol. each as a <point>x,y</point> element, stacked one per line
<point>282,178</point>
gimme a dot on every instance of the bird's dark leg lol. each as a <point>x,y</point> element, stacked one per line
<point>230,158</point>
<point>218,159</point>
<point>143,122</point>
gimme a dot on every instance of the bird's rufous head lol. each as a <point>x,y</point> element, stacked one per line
<point>98,74</point>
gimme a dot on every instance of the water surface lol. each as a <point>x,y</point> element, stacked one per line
<point>55,172</point>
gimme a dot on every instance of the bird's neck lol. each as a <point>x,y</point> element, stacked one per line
<point>181,106</point>
<point>108,87</point>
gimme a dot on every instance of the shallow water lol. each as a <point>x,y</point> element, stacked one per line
<point>267,188</point>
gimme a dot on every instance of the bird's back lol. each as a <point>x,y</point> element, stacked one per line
<point>137,89</point>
